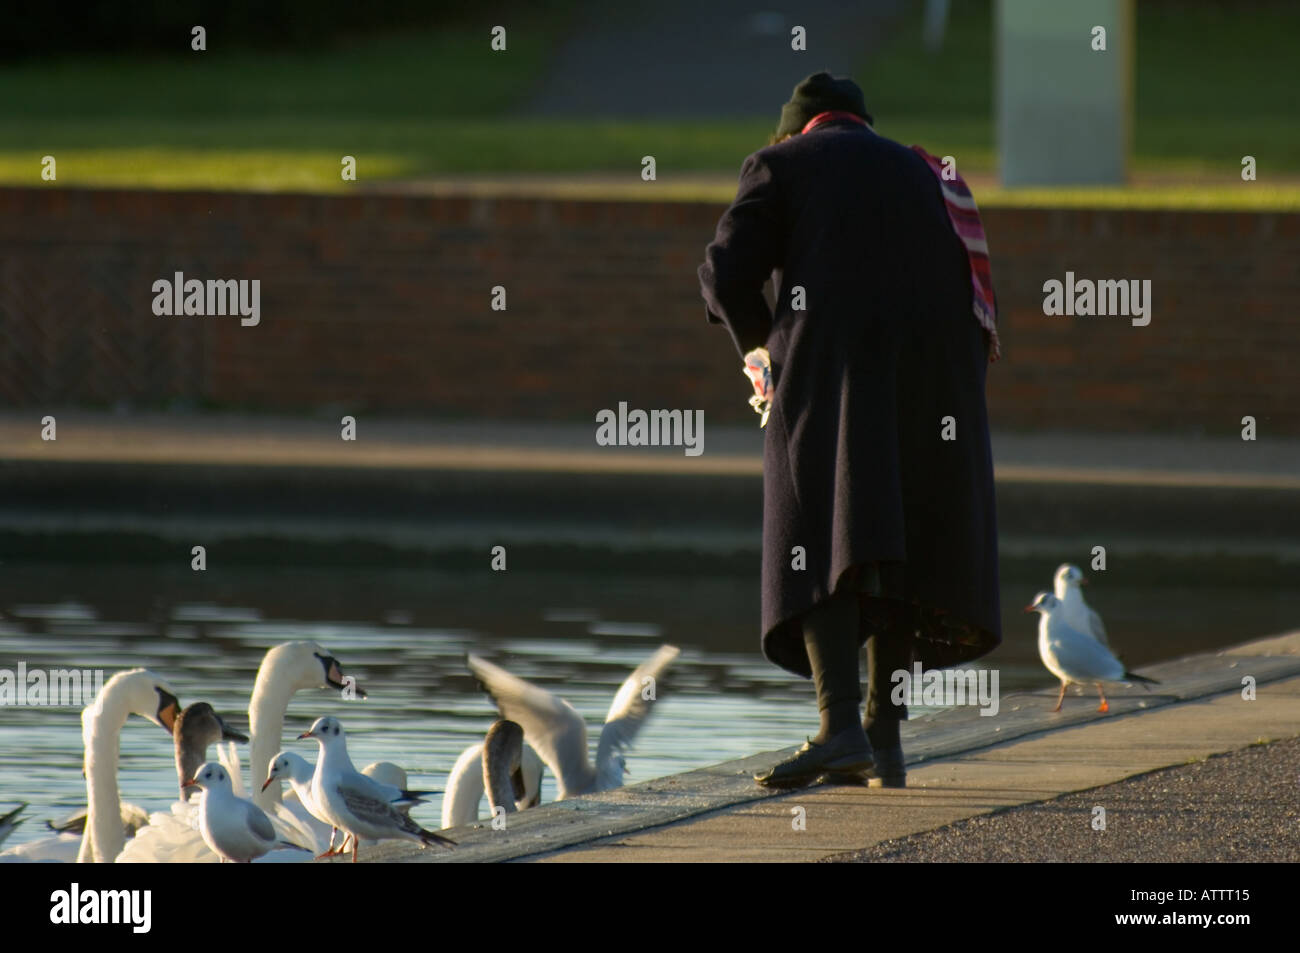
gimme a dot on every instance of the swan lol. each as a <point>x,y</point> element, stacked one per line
<point>553,727</point>
<point>197,727</point>
<point>194,730</point>
<point>503,748</point>
<point>356,804</point>
<point>140,692</point>
<point>287,668</point>
<point>137,691</point>
<point>465,785</point>
<point>69,836</point>
<point>173,836</point>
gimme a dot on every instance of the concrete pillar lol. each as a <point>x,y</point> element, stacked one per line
<point>1064,109</point>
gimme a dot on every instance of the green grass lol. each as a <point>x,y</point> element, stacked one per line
<point>1213,83</point>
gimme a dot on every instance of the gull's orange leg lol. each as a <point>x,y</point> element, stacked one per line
<point>1104,706</point>
<point>332,849</point>
<point>1060,698</point>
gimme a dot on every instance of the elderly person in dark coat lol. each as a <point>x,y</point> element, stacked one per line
<point>878,518</point>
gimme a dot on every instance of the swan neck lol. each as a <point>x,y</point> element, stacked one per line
<point>104,820</point>
<point>266,709</point>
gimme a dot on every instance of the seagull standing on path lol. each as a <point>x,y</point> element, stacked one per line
<point>1073,656</point>
<point>236,829</point>
<point>1079,615</point>
<point>354,803</point>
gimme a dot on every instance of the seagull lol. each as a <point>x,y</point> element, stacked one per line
<point>1073,656</point>
<point>1068,582</point>
<point>291,767</point>
<point>236,829</point>
<point>555,729</point>
<point>294,768</point>
<point>354,803</point>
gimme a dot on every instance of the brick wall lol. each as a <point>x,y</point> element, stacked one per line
<point>382,302</point>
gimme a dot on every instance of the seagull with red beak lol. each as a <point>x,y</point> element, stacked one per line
<point>360,806</point>
<point>1073,656</point>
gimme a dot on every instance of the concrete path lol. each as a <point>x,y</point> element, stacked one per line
<point>961,765</point>
<point>1240,807</point>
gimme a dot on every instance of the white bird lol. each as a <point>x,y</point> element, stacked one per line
<point>1068,584</point>
<point>236,829</point>
<point>354,803</point>
<point>294,768</point>
<point>139,692</point>
<point>193,730</point>
<point>559,734</point>
<point>1074,657</point>
<point>298,772</point>
<point>466,786</point>
<point>287,668</point>
<point>172,836</point>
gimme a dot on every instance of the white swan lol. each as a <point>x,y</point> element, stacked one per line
<point>193,730</point>
<point>139,692</point>
<point>173,836</point>
<point>287,668</point>
<point>553,727</point>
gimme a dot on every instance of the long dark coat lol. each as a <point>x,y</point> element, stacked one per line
<point>855,468</point>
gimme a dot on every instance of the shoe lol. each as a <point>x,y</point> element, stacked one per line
<point>848,753</point>
<point>890,768</point>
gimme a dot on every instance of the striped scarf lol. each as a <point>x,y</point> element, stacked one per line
<point>965,219</point>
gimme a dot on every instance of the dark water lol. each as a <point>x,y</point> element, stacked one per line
<point>404,634</point>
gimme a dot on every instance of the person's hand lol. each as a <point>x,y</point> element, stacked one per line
<point>758,368</point>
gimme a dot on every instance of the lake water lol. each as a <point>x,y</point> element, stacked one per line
<point>404,635</point>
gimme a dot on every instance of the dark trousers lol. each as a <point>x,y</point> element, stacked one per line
<point>888,651</point>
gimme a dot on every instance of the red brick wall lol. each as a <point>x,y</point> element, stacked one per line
<point>382,302</point>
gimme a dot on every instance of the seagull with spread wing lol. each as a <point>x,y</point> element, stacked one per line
<point>558,733</point>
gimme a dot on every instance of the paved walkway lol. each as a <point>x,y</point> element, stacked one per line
<point>962,766</point>
<point>1241,807</point>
